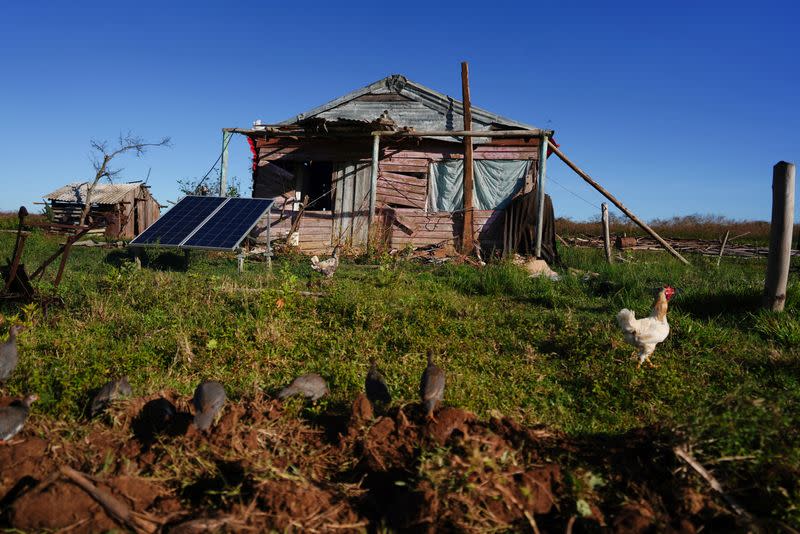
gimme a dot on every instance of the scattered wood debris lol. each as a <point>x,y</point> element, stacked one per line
<point>706,247</point>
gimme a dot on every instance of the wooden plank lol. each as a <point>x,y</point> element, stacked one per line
<point>402,189</point>
<point>338,195</point>
<point>345,216</point>
<point>419,234</point>
<point>406,161</point>
<point>526,141</point>
<point>410,183</point>
<point>397,189</point>
<point>408,201</point>
<point>388,97</point>
<point>397,176</point>
<point>399,201</point>
<point>534,132</point>
<point>361,204</point>
<point>402,167</point>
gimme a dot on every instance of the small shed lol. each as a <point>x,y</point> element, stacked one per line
<point>326,170</point>
<point>130,208</point>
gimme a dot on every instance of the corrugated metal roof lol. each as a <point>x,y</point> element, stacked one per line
<point>423,109</point>
<point>102,193</point>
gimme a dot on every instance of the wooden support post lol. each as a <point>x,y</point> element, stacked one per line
<point>223,167</point>
<point>64,257</point>
<point>606,231</point>
<point>468,235</point>
<point>540,195</point>
<point>618,204</point>
<point>780,236</point>
<point>373,184</point>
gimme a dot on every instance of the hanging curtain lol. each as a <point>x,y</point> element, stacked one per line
<point>495,183</point>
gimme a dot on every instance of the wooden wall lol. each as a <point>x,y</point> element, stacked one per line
<point>137,204</point>
<point>315,229</point>
<point>410,227</point>
<point>402,186</point>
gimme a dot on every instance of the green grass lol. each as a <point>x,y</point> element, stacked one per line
<point>542,351</point>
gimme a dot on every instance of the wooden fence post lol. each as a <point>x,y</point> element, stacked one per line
<point>606,231</point>
<point>722,248</point>
<point>780,236</point>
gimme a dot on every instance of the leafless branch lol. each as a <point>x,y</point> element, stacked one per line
<point>102,156</point>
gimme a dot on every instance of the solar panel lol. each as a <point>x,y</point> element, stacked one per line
<point>172,228</point>
<point>226,228</point>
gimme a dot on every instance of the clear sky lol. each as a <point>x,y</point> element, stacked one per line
<point>678,108</point>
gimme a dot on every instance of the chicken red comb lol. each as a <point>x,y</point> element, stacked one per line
<point>669,291</point>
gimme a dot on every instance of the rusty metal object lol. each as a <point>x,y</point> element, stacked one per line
<point>17,282</point>
<point>622,243</point>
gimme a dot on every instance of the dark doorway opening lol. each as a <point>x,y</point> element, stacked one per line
<point>318,185</point>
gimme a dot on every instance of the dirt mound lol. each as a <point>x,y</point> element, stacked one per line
<point>264,466</point>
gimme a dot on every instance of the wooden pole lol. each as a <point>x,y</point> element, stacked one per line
<point>780,236</point>
<point>467,232</point>
<point>223,167</point>
<point>540,195</point>
<point>373,187</point>
<point>535,132</point>
<point>618,204</point>
<point>722,248</point>
<point>606,231</point>
<point>532,132</point>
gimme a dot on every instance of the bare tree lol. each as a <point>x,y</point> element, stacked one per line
<point>102,156</point>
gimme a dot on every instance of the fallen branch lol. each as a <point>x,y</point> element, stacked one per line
<point>139,523</point>
<point>683,454</point>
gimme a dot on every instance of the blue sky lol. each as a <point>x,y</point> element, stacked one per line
<point>679,108</point>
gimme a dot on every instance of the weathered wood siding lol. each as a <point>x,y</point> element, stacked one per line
<point>351,203</point>
<point>137,210</point>
<point>402,190</point>
<point>315,229</point>
<point>417,229</point>
<point>402,186</point>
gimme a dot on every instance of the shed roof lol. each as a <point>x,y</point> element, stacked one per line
<point>409,104</point>
<point>102,194</point>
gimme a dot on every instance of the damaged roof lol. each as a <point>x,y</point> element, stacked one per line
<point>102,193</point>
<point>409,105</point>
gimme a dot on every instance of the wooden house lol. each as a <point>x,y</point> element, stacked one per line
<point>319,167</point>
<point>130,208</point>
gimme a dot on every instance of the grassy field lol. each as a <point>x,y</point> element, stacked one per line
<point>728,377</point>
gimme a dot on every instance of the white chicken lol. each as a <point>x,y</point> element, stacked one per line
<point>646,333</point>
<point>326,267</point>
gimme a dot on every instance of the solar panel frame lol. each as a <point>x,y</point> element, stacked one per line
<point>219,231</point>
<point>189,220</point>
